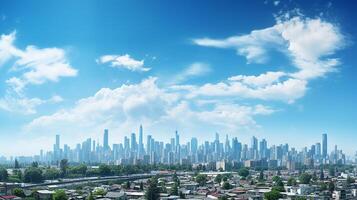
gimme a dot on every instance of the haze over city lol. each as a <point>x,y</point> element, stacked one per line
<point>283,71</point>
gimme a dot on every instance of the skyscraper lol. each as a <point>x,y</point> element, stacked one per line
<point>133,142</point>
<point>324,145</point>
<point>106,140</point>
<point>141,146</point>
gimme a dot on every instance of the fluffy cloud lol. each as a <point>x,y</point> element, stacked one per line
<point>25,105</point>
<point>35,66</point>
<point>310,43</point>
<point>124,61</point>
<point>125,107</point>
<point>194,70</point>
<point>251,87</point>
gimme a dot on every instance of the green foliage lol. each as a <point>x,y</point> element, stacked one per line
<point>305,178</point>
<point>276,178</point>
<point>104,170</point>
<point>51,174</point>
<point>331,171</point>
<point>64,167</point>
<point>3,174</point>
<point>152,192</point>
<point>261,175</point>
<point>331,186</point>
<point>323,186</point>
<point>18,192</point>
<point>99,192</point>
<point>226,185</point>
<point>350,180</point>
<point>218,178</point>
<point>33,175</point>
<point>201,179</point>
<point>80,169</point>
<point>272,195</point>
<point>291,182</point>
<point>90,197</point>
<point>174,189</point>
<point>300,198</point>
<point>60,195</point>
<point>244,172</point>
<point>17,165</point>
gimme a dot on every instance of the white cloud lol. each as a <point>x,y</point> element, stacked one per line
<point>261,80</point>
<point>123,61</point>
<point>194,70</point>
<point>35,66</point>
<point>127,106</point>
<point>310,43</point>
<point>287,91</point>
<point>21,105</point>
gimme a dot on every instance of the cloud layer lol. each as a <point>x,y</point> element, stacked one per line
<point>35,66</point>
<point>123,61</point>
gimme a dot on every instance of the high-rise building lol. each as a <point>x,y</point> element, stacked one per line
<point>194,145</point>
<point>133,142</point>
<point>324,145</point>
<point>263,147</point>
<point>141,145</point>
<point>106,139</point>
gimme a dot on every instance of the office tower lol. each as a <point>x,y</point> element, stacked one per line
<point>133,142</point>
<point>141,146</point>
<point>217,137</point>
<point>254,148</point>
<point>148,145</point>
<point>263,147</point>
<point>318,149</point>
<point>106,140</point>
<point>177,139</point>
<point>58,141</point>
<point>324,145</point>
<point>56,148</point>
<point>194,145</point>
<point>227,145</point>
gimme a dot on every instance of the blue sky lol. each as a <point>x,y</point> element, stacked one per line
<point>280,70</point>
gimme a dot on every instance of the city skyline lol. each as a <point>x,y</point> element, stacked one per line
<point>279,70</point>
<point>259,153</point>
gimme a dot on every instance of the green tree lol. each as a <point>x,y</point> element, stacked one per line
<point>276,178</point>
<point>201,179</point>
<point>305,178</point>
<point>51,174</point>
<point>3,174</point>
<point>331,186</point>
<point>18,192</point>
<point>104,170</point>
<point>244,172</point>
<point>218,178</point>
<point>33,175</point>
<point>331,171</point>
<point>226,185</point>
<point>90,197</point>
<point>152,191</point>
<point>60,195</point>
<point>350,180</point>
<point>322,174</point>
<point>174,189</point>
<point>17,165</point>
<point>34,164</point>
<point>272,195</point>
<point>176,179</point>
<point>141,186</point>
<point>261,175</point>
<point>291,181</point>
<point>64,167</point>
